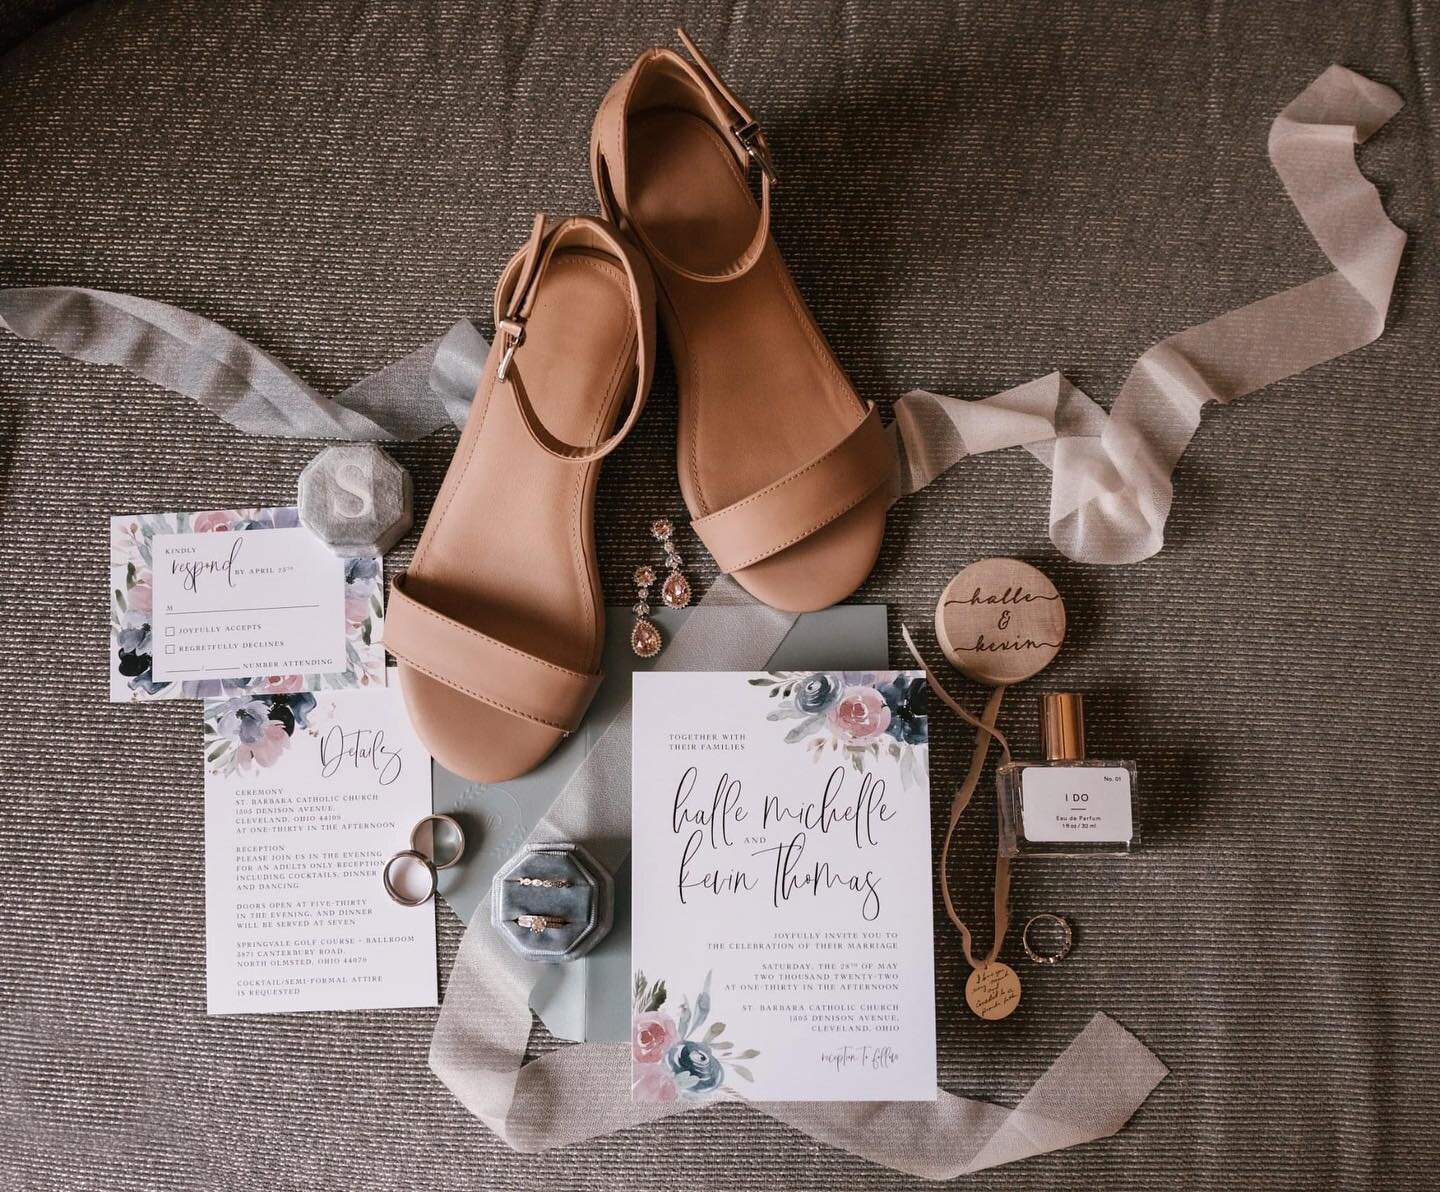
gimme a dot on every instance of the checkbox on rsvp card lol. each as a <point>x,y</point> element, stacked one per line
<point>169,630</point>
<point>169,649</point>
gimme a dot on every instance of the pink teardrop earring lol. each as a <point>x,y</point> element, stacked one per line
<point>645,637</point>
<point>675,591</point>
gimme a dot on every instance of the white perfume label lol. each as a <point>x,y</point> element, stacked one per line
<point>1076,803</point>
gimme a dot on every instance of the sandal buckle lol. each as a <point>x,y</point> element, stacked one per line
<point>751,139</point>
<point>513,331</point>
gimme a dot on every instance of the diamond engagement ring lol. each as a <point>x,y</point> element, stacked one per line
<point>539,923</point>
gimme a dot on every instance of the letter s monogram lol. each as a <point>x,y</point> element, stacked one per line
<point>358,486</point>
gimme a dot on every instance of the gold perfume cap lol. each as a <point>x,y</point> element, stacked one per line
<point>1062,726</point>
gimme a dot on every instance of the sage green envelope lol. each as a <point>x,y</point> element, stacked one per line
<point>589,999</point>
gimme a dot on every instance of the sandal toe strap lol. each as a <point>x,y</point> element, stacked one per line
<point>803,502</point>
<point>483,667</point>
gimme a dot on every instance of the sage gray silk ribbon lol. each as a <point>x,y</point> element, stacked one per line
<point>1110,492</point>
<point>581,1091</point>
<point>244,384</point>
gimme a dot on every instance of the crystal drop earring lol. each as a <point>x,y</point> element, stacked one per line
<point>675,591</point>
<point>645,637</point>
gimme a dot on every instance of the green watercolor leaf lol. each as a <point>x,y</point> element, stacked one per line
<point>803,729</point>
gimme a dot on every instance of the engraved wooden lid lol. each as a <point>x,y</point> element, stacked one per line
<point>1000,621</point>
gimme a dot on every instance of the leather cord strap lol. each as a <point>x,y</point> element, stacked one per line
<point>797,505</point>
<point>483,667</point>
<point>985,730</point>
<point>515,298</point>
<point>731,118</point>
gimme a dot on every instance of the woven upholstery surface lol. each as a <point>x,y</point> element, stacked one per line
<point>972,195</point>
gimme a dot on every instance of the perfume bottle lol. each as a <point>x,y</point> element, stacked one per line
<point>1068,804</point>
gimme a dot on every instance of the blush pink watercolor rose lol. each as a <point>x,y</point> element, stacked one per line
<point>861,715</point>
<point>654,1084</point>
<point>215,519</point>
<point>267,750</point>
<point>357,608</point>
<point>141,597</point>
<point>654,1033</point>
<point>278,685</point>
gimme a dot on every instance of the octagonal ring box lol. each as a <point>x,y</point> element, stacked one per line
<point>356,500</point>
<point>586,903</point>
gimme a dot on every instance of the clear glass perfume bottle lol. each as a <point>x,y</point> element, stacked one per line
<point>1067,805</point>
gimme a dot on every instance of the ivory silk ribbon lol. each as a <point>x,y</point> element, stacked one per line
<point>1110,493</point>
<point>1110,497</point>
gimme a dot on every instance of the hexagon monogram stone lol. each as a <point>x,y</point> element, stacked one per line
<point>356,499</point>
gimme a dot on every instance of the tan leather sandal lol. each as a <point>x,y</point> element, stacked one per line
<point>498,624</point>
<point>785,471</point>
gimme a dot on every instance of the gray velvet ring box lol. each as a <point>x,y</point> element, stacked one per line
<point>585,904</point>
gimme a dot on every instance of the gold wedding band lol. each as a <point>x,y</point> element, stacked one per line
<point>1054,957</point>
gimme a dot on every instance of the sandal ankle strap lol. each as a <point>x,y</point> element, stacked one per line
<point>515,298</point>
<point>729,116</point>
<point>735,118</point>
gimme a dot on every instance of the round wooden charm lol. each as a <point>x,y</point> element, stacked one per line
<point>1000,621</point>
<point>993,991</point>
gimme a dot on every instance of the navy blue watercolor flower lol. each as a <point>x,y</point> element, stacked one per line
<point>908,701</point>
<point>818,692</point>
<point>696,1068</point>
<point>292,710</point>
<point>362,570</point>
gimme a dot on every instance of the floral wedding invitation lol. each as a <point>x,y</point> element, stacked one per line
<point>782,935</point>
<point>306,796</point>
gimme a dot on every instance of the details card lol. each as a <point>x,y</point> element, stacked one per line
<point>781,924</point>
<point>208,604</point>
<point>306,797</point>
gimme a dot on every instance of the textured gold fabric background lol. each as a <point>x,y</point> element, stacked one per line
<point>972,195</point>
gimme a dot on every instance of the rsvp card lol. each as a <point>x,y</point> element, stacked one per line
<point>781,923</point>
<point>306,797</point>
<point>206,604</point>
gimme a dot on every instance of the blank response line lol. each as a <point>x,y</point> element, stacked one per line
<point>259,608</point>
